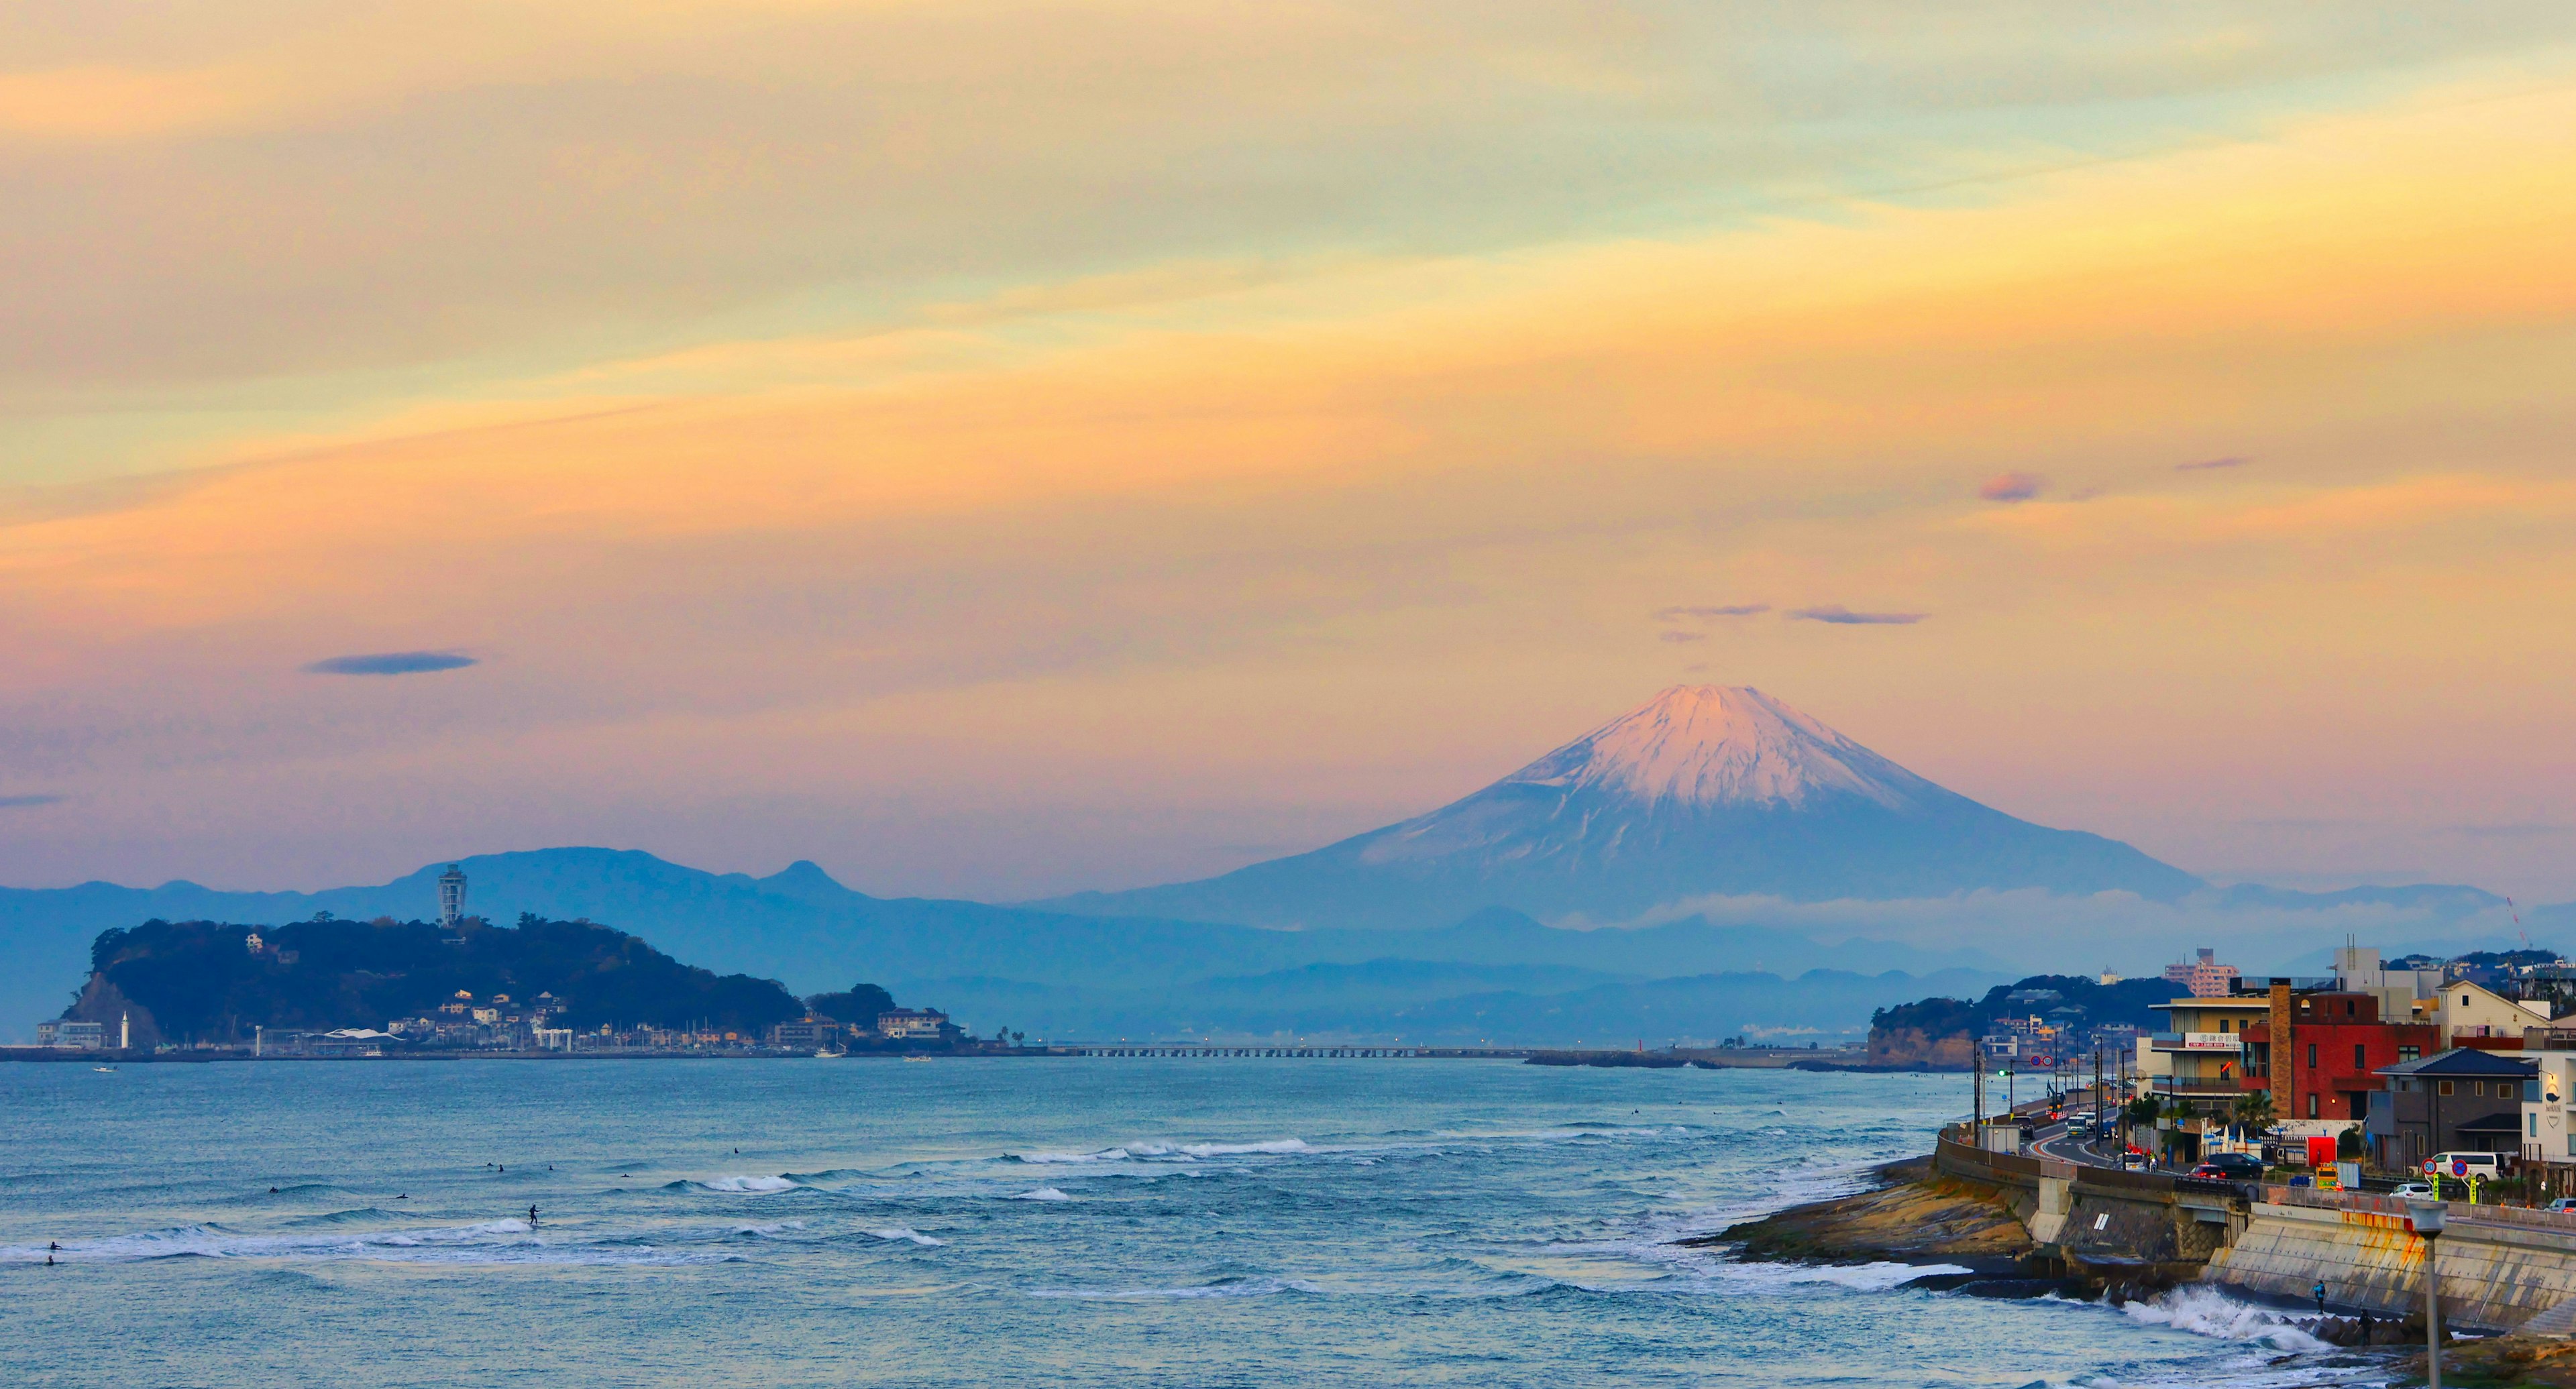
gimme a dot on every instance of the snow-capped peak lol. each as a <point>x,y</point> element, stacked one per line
<point>1705,745</point>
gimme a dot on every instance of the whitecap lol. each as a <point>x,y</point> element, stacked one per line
<point>1226,1287</point>
<point>901,1233</point>
<point>1104,1155</point>
<point>748,1185</point>
<point>1272,1146</point>
<point>1044,1193</point>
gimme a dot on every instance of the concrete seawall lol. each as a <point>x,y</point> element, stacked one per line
<point>2500,1267</point>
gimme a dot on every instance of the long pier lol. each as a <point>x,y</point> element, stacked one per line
<point>1195,1051</point>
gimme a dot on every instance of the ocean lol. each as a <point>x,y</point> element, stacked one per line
<point>1131,1222</point>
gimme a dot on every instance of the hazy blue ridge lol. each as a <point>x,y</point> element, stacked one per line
<point>801,927</point>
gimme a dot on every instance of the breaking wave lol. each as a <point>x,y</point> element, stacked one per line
<point>2205,1311</point>
<point>1044,1193</point>
<point>1223,1287</point>
<point>902,1233</point>
<point>745,1185</point>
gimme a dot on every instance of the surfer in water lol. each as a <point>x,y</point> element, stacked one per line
<point>532,1217</point>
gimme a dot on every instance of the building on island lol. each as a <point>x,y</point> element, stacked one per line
<point>71,1033</point>
<point>912,1024</point>
<point>451,897</point>
<point>812,1032</point>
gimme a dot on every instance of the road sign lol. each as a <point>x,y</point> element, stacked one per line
<point>2459,1168</point>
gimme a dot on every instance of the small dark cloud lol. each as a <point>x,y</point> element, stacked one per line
<point>1724,610</point>
<point>1841,616</point>
<point>2012,487</point>
<point>391,663</point>
<point>2206,464</point>
<point>1685,636</point>
<point>15,802</point>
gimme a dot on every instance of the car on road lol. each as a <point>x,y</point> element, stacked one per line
<point>2563,1203</point>
<point>2234,1167</point>
<point>2135,1162</point>
<point>2413,1191</point>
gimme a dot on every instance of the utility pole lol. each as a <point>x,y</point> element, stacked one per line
<point>2426,1217</point>
<point>1977,1070</point>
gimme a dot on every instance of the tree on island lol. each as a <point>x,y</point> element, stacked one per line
<point>201,981</point>
<point>857,1005</point>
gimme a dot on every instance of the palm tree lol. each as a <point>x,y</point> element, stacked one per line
<point>2253,1110</point>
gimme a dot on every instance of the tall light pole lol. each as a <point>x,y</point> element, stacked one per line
<point>2425,1217</point>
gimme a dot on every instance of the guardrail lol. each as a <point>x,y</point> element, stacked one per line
<point>2377,1204</point>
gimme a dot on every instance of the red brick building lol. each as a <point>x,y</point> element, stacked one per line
<point>2337,1046</point>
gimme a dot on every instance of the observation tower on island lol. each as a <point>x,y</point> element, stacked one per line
<point>451,896</point>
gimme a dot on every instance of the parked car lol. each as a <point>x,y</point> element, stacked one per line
<point>2483,1166</point>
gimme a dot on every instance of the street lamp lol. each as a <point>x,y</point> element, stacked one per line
<point>2425,1218</point>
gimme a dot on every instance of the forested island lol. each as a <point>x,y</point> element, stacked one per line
<point>213,982</point>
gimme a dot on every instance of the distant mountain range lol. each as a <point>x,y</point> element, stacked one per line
<point>802,927</point>
<point>1708,790</point>
<point>1429,927</point>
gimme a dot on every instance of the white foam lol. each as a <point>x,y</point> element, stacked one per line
<point>1104,1155</point>
<point>901,1233</point>
<point>748,1186</point>
<point>1274,1146</point>
<point>1044,1193</point>
<point>1248,1287</point>
<point>2204,1311</point>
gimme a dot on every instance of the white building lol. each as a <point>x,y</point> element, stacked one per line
<point>911,1023</point>
<point>2471,1010</point>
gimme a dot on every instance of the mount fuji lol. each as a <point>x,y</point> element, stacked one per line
<point>1706,790</point>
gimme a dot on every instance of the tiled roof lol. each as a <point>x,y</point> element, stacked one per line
<point>2463,1061</point>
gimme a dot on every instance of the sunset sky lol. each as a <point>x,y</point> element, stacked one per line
<point>997,449</point>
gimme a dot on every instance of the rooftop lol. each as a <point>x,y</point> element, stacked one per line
<point>2463,1061</point>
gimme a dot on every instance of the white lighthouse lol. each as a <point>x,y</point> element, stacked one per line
<point>451,896</point>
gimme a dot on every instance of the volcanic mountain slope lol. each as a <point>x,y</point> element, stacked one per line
<point>1708,789</point>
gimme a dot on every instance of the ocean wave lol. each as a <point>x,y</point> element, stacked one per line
<point>1104,1155</point>
<point>902,1233</point>
<point>744,1185</point>
<point>1223,1287</point>
<point>510,1241</point>
<point>1044,1193</point>
<point>2205,1311</point>
<point>348,1217</point>
<point>1275,1147</point>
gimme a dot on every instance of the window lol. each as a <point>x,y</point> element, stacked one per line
<point>2357,1063</point>
<point>2410,1053</point>
<point>2312,1105</point>
<point>2312,1061</point>
<point>2444,1088</point>
<point>2478,1088</point>
<point>2534,1117</point>
<point>2349,1008</point>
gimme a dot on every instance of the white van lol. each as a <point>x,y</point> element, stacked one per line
<point>2482,1166</point>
